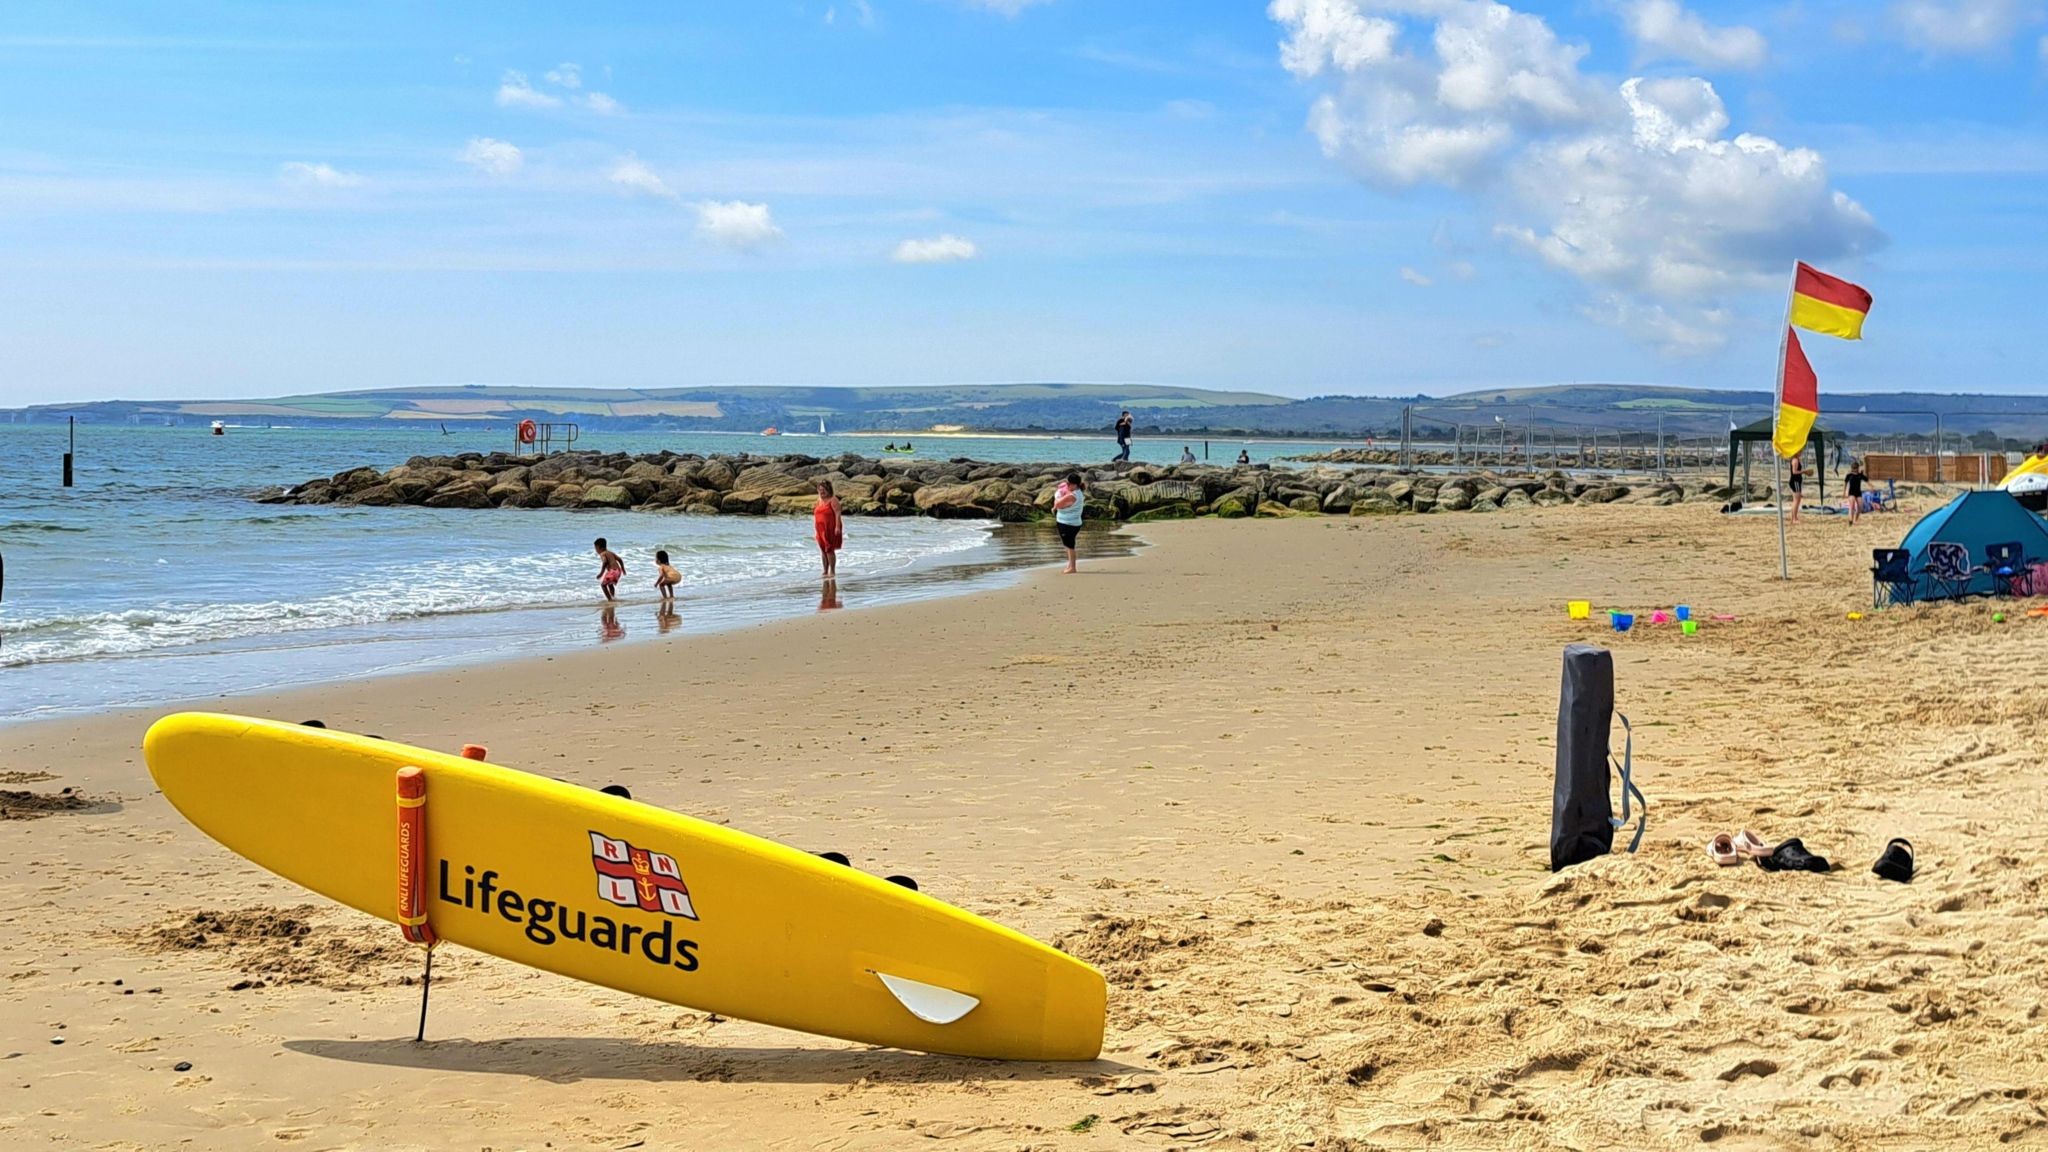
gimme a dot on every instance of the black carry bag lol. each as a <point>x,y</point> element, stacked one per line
<point>1582,817</point>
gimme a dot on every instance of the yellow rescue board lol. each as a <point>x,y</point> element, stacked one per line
<point>629,896</point>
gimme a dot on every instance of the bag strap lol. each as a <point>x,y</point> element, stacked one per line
<point>1628,786</point>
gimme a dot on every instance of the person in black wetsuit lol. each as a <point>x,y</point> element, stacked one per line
<point>1855,479</point>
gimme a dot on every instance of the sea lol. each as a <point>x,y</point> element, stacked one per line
<point>157,577</point>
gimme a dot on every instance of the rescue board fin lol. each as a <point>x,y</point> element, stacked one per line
<point>929,1002</point>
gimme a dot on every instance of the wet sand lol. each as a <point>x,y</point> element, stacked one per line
<point>1287,782</point>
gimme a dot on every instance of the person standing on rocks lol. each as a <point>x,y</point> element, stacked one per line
<point>1067,503</point>
<point>829,527</point>
<point>1123,436</point>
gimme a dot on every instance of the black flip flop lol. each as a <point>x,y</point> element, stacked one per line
<point>903,881</point>
<point>1792,856</point>
<point>619,790</point>
<point>837,858</point>
<point>1897,861</point>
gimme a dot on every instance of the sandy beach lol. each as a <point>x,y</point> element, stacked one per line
<point>1286,782</point>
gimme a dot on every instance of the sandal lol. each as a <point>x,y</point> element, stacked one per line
<point>1792,856</point>
<point>1897,861</point>
<point>1722,849</point>
<point>1748,843</point>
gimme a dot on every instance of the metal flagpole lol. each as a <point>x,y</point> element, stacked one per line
<point>1777,414</point>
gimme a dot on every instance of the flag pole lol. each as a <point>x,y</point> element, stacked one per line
<point>1777,414</point>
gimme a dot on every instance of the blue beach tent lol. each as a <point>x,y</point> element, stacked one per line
<point>1974,520</point>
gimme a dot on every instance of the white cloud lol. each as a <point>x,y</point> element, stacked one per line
<point>945,249</point>
<point>601,104</point>
<point>736,223</point>
<point>1006,7</point>
<point>1463,269</point>
<point>495,157</point>
<point>1635,190</point>
<point>1415,278</point>
<point>635,177</point>
<point>1948,27</point>
<point>565,76</point>
<point>514,91</point>
<point>1665,30</point>
<point>311,175</point>
<point>2044,49</point>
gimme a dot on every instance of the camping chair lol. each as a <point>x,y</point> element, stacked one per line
<point>1949,570</point>
<point>1891,577</point>
<point>2007,564</point>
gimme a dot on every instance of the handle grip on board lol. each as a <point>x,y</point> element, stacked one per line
<point>412,857</point>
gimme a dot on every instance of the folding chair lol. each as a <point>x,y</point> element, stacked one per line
<point>1891,578</point>
<point>1949,570</point>
<point>2007,564</point>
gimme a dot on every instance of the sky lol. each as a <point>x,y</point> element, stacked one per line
<point>1305,197</point>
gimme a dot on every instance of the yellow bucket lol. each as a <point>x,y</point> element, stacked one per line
<point>1579,609</point>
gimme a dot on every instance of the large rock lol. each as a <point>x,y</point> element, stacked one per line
<point>461,496</point>
<point>375,496</point>
<point>1452,498</point>
<point>566,496</point>
<point>607,496</point>
<point>1604,494</point>
<point>1375,504</point>
<point>1233,506</point>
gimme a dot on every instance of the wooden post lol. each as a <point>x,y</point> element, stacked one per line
<point>70,451</point>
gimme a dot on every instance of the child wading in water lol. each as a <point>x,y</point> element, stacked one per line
<point>665,577</point>
<point>610,568</point>
<point>829,527</point>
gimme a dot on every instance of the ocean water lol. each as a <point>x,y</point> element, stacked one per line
<point>158,578</point>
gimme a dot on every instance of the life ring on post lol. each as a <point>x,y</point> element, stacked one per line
<point>528,431</point>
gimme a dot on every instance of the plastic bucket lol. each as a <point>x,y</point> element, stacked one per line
<point>1623,621</point>
<point>1684,613</point>
<point>1689,627</point>
<point>1579,609</point>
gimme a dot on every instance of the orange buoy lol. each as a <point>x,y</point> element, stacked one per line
<point>528,431</point>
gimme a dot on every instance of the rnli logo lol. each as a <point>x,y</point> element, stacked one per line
<point>636,878</point>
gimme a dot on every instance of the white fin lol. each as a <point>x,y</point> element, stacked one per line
<point>929,1002</point>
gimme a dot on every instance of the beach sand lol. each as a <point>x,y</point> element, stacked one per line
<point>1286,782</point>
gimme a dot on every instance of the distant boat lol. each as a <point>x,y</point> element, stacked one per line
<point>821,426</point>
<point>220,428</point>
<point>445,431</point>
<point>771,431</point>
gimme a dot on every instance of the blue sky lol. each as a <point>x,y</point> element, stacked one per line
<point>1316,196</point>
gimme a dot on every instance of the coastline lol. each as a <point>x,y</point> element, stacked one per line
<point>1286,781</point>
<point>258,664</point>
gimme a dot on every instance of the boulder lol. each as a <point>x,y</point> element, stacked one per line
<point>565,496</point>
<point>1551,498</point>
<point>792,505</point>
<point>647,470</point>
<point>1452,498</point>
<point>461,496</point>
<point>941,499</point>
<point>1518,498</point>
<point>375,496</point>
<point>743,503</point>
<point>1604,494</point>
<point>1181,510</point>
<point>1234,506</point>
<point>606,496</point>
<point>1375,504</point>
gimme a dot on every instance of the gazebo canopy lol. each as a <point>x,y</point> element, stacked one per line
<point>1816,442</point>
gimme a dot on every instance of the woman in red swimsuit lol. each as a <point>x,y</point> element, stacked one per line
<point>830,528</point>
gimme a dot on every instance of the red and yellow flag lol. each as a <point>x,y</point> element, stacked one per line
<point>1798,399</point>
<point>1828,305</point>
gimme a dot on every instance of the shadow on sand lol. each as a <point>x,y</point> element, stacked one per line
<point>567,1059</point>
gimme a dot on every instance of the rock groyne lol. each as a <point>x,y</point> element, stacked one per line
<point>961,488</point>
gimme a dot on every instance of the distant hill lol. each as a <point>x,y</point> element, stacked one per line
<point>1058,407</point>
